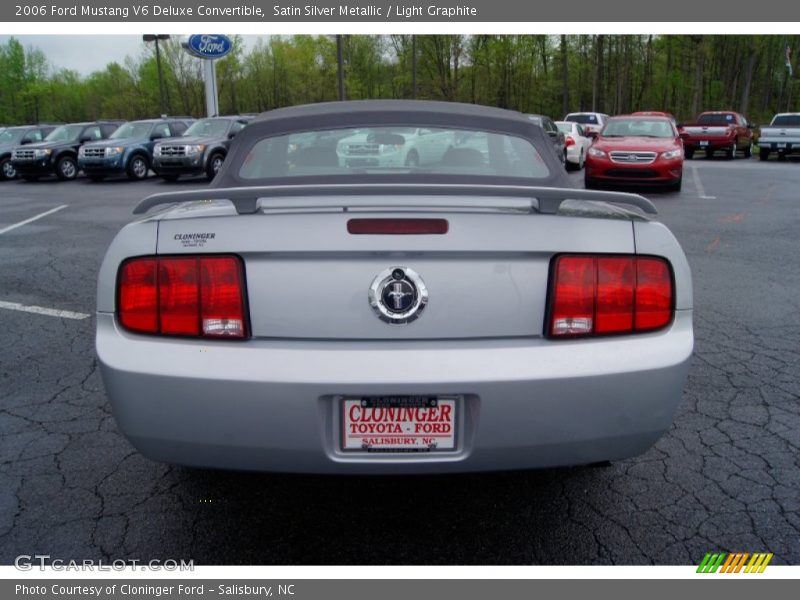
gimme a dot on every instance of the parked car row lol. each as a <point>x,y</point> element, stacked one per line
<point>169,146</point>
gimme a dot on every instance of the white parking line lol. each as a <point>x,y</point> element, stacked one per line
<point>698,184</point>
<point>40,310</point>
<point>26,221</point>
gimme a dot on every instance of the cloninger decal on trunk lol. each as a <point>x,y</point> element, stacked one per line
<point>193,240</point>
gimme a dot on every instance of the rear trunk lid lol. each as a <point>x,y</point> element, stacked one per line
<point>309,278</point>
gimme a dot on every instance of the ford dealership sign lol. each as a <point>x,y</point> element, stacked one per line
<point>209,46</point>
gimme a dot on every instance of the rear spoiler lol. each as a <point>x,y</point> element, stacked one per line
<point>545,200</point>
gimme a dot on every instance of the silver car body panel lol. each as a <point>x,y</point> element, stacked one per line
<point>273,402</point>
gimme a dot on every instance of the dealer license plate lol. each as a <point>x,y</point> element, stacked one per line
<point>399,423</point>
<point>704,142</point>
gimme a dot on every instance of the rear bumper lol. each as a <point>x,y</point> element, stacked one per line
<point>778,145</point>
<point>707,143</point>
<point>272,405</point>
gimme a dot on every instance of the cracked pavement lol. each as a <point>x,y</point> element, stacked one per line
<point>726,477</point>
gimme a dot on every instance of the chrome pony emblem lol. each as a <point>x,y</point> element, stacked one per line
<point>398,295</point>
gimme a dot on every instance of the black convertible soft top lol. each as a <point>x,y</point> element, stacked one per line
<point>543,195</point>
<point>385,113</point>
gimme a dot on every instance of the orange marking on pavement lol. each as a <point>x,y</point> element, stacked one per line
<point>714,244</point>
<point>735,218</point>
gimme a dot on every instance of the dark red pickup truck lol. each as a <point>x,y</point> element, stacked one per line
<point>724,131</point>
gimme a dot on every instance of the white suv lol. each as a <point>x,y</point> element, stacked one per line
<point>592,122</point>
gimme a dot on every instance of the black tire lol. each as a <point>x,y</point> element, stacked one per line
<point>214,164</point>
<point>7,170</point>
<point>748,151</point>
<point>96,178</point>
<point>170,177</point>
<point>412,159</point>
<point>730,153</point>
<point>138,167</point>
<point>66,168</point>
<point>564,160</point>
<point>676,187</point>
<point>689,153</point>
<point>763,153</point>
<point>590,184</point>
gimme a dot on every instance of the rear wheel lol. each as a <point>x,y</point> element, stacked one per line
<point>748,151</point>
<point>7,170</point>
<point>730,153</point>
<point>763,153</point>
<point>66,168</point>
<point>412,160</point>
<point>214,165</point>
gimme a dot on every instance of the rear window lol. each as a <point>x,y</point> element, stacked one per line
<point>393,150</point>
<point>717,119</point>
<point>583,119</point>
<point>786,121</point>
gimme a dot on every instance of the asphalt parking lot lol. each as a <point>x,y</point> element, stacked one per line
<point>726,477</point>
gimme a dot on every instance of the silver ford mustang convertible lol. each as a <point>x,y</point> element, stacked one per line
<point>337,302</point>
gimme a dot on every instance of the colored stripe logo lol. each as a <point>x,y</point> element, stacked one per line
<point>737,562</point>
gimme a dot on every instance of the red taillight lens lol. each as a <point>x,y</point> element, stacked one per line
<point>595,295</point>
<point>138,295</point>
<point>221,303</point>
<point>653,294</point>
<point>573,303</point>
<point>178,292</point>
<point>568,141</point>
<point>616,278</point>
<point>197,296</point>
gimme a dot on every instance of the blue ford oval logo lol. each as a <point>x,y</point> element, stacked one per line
<point>209,46</point>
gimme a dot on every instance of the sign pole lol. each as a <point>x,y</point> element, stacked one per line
<point>210,77</point>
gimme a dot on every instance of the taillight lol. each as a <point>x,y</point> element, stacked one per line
<point>568,141</point>
<point>599,295</point>
<point>195,296</point>
<point>397,226</point>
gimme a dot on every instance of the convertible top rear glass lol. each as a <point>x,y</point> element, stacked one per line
<point>393,150</point>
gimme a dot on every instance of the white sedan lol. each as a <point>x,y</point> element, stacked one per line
<point>576,142</point>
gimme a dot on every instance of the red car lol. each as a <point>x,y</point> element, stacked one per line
<point>636,150</point>
<point>726,131</point>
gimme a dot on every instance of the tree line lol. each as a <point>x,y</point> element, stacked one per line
<point>682,74</point>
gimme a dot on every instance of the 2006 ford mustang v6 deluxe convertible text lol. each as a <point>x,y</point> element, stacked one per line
<point>323,308</point>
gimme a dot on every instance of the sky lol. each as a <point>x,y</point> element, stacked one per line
<point>88,53</point>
